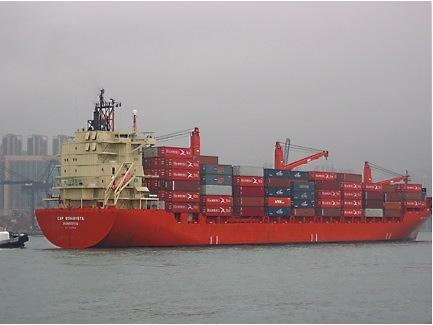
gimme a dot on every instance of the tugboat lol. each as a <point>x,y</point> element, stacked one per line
<point>12,240</point>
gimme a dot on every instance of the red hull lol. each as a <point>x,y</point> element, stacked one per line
<point>112,227</point>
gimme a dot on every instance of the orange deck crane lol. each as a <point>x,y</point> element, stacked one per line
<point>369,180</point>
<point>279,160</point>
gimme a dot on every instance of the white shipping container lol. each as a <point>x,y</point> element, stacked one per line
<point>248,171</point>
<point>377,213</point>
<point>216,189</point>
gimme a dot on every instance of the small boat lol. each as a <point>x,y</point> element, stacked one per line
<point>12,240</point>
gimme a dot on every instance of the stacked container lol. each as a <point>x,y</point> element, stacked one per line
<point>351,194</point>
<point>372,200</point>
<point>303,198</point>
<point>412,195</point>
<point>216,189</point>
<point>277,193</point>
<point>248,191</point>
<point>178,177</point>
<point>393,202</point>
<point>328,194</point>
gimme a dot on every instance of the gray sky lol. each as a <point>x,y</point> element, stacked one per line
<point>352,78</point>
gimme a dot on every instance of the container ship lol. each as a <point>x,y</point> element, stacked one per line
<point>119,189</point>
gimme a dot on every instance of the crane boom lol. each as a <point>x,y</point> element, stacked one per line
<point>368,179</point>
<point>279,161</point>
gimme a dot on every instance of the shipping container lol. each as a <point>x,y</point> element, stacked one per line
<point>216,190</point>
<point>278,202</point>
<point>280,182</point>
<point>351,186</point>
<point>278,191</point>
<point>216,200</point>
<point>210,179</point>
<point>216,169</point>
<point>248,171</point>
<point>179,174</point>
<point>245,211</point>
<point>304,212</point>
<point>278,211</point>
<point>298,175</point>
<point>253,181</point>
<point>351,195</point>
<point>206,159</point>
<point>352,204</point>
<point>249,201</point>
<point>377,213</point>
<point>373,196</point>
<point>174,185</point>
<point>303,195</point>
<point>217,211</point>
<point>327,185</point>
<point>150,152</point>
<point>174,152</point>
<point>412,196</point>
<point>372,187</point>
<point>393,213</point>
<point>351,212</point>
<point>170,163</point>
<point>347,177</point>
<point>328,212</point>
<point>248,191</point>
<point>302,186</point>
<point>373,204</point>
<point>176,196</point>
<point>415,204</point>
<point>394,197</point>
<point>388,188</point>
<point>322,176</point>
<point>328,194</point>
<point>182,207</point>
<point>392,205</point>
<point>409,187</point>
<point>328,203</point>
<point>297,203</point>
<point>276,173</point>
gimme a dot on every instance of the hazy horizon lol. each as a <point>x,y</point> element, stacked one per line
<point>352,78</point>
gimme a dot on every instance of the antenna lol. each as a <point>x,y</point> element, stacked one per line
<point>134,120</point>
<point>103,115</point>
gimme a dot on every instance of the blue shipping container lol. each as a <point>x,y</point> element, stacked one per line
<point>210,179</point>
<point>277,191</point>
<point>216,169</point>
<point>299,175</point>
<point>278,211</point>
<point>303,195</point>
<point>276,173</point>
<point>300,203</point>
<point>303,186</point>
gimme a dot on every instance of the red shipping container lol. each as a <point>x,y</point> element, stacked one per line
<point>252,181</point>
<point>328,194</point>
<point>181,175</point>
<point>392,205</point>
<point>216,200</point>
<point>184,186</point>
<point>182,207</point>
<point>388,188</point>
<point>322,176</point>
<point>412,196</point>
<point>351,186</point>
<point>373,195</point>
<point>372,187</point>
<point>352,204</point>
<point>245,211</point>
<point>328,212</point>
<point>324,203</point>
<point>277,182</point>
<point>346,177</point>
<point>394,197</point>
<point>176,163</point>
<point>278,202</point>
<point>352,212</point>
<point>218,211</point>
<point>304,212</point>
<point>206,159</point>
<point>320,185</point>
<point>347,195</point>
<point>174,152</point>
<point>248,191</point>
<point>409,187</point>
<point>393,213</point>
<point>248,201</point>
<point>177,196</point>
<point>415,204</point>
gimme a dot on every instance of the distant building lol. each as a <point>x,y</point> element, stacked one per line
<point>12,145</point>
<point>37,145</point>
<point>57,143</point>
